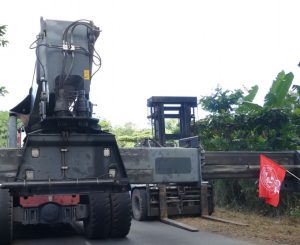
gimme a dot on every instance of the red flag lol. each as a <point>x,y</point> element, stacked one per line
<point>270,179</point>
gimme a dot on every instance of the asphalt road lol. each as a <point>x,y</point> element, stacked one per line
<point>141,233</point>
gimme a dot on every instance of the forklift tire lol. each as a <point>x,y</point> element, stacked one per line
<point>211,206</point>
<point>139,204</point>
<point>97,225</point>
<point>6,217</point>
<point>120,214</point>
<point>210,200</point>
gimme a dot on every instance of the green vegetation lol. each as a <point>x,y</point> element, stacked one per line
<point>3,128</point>
<point>127,135</point>
<point>4,116</point>
<point>3,91</point>
<point>3,43</point>
<point>236,123</point>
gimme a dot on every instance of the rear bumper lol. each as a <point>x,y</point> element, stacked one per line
<point>50,213</point>
<point>72,185</point>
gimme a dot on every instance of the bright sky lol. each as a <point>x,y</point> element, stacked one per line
<point>161,48</point>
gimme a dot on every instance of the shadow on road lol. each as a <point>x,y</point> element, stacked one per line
<point>59,234</point>
<point>28,232</point>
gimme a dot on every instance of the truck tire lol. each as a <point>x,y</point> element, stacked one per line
<point>6,217</point>
<point>97,225</point>
<point>120,214</point>
<point>139,204</point>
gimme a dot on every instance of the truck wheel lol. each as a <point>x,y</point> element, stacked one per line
<point>121,214</point>
<point>97,225</point>
<point>6,217</point>
<point>139,204</point>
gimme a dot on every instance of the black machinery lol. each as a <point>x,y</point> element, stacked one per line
<point>68,169</point>
<point>181,109</point>
<point>168,179</point>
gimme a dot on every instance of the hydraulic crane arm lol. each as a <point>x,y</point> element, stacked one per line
<point>65,53</point>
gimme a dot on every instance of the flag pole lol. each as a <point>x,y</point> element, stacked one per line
<point>293,175</point>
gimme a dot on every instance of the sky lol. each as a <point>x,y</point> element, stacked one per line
<point>160,48</point>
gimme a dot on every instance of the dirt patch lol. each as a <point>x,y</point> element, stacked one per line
<point>260,229</point>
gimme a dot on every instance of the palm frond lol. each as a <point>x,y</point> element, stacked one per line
<point>251,94</point>
<point>279,90</point>
<point>3,91</point>
<point>248,107</point>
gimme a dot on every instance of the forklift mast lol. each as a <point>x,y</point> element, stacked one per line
<point>169,107</point>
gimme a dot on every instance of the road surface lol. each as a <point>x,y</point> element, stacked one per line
<point>142,233</point>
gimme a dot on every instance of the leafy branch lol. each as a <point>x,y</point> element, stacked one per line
<point>3,42</point>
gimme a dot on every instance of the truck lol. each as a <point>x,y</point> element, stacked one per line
<point>68,169</point>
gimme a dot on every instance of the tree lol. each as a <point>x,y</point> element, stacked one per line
<point>3,128</point>
<point>3,42</point>
<point>105,125</point>
<point>279,95</point>
<point>221,102</point>
<point>3,91</point>
<point>172,126</point>
<point>129,136</point>
<point>236,123</point>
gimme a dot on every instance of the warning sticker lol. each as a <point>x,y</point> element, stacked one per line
<point>86,74</point>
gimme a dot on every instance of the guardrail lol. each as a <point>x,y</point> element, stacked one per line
<point>239,164</point>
